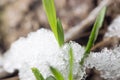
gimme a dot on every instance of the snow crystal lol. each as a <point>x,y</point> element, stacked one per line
<point>107,62</point>
<point>114,28</point>
<point>40,49</point>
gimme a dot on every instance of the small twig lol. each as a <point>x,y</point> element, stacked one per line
<point>77,30</point>
<point>86,34</point>
<point>106,42</point>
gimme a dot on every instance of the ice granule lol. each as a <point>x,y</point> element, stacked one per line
<point>114,28</point>
<point>40,50</point>
<point>107,62</point>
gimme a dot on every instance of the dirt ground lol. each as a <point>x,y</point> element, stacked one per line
<point>19,17</point>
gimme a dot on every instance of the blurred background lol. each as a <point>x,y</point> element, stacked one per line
<point>20,17</point>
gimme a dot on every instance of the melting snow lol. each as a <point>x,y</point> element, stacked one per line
<point>106,61</point>
<point>40,50</point>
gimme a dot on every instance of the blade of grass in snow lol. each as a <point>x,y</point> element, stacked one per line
<point>37,74</point>
<point>60,33</point>
<point>70,77</point>
<point>51,14</point>
<point>57,74</point>
<point>50,78</point>
<point>55,24</point>
<point>94,33</point>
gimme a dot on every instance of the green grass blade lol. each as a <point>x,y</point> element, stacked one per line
<point>94,33</point>
<point>50,78</point>
<point>70,76</point>
<point>56,73</point>
<point>37,74</point>
<point>60,33</point>
<point>51,14</point>
<point>55,24</point>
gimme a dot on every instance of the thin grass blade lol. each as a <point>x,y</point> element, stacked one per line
<point>55,24</point>
<point>49,8</point>
<point>37,74</point>
<point>70,76</point>
<point>57,74</point>
<point>60,33</point>
<point>94,33</point>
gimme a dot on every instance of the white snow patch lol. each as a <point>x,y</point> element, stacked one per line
<point>39,50</point>
<point>107,62</point>
<point>114,28</point>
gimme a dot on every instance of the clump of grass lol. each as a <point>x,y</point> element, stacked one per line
<point>57,29</point>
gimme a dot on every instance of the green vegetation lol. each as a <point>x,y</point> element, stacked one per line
<point>37,74</point>
<point>94,34</point>
<point>71,60</point>
<point>55,23</point>
<point>57,29</point>
<point>56,73</point>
